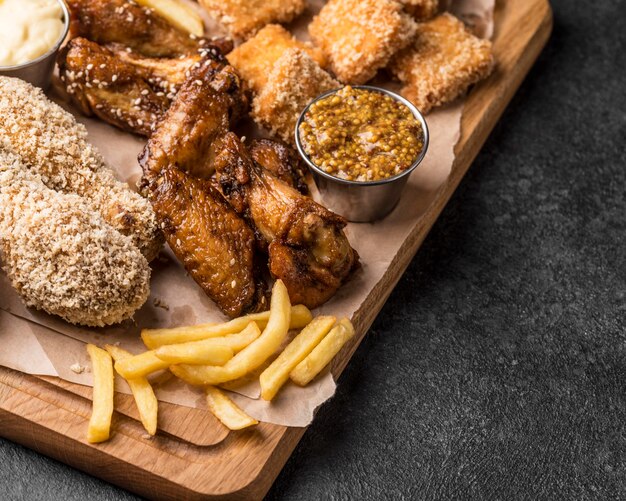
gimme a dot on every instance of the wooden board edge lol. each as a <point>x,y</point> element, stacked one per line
<point>39,437</point>
<point>479,133</point>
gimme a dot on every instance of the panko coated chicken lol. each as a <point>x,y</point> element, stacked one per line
<point>216,246</point>
<point>53,145</point>
<point>61,256</point>
<point>135,27</point>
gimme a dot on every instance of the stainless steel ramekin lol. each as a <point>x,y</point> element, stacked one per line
<point>362,201</point>
<point>39,71</point>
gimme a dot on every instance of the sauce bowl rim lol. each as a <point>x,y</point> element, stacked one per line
<point>416,113</point>
<point>55,47</point>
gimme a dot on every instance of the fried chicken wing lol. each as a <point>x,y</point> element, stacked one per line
<point>116,91</point>
<point>134,26</point>
<point>214,243</point>
<point>207,103</point>
<point>127,90</point>
<point>306,245</point>
<point>280,160</point>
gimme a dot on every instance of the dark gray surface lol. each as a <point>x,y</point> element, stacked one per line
<point>497,369</point>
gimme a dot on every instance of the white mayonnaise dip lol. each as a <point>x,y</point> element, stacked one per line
<point>28,29</point>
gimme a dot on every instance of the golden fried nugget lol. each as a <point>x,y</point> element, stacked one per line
<point>360,36</point>
<point>255,58</point>
<point>243,18</point>
<point>442,62</point>
<point>294,82</point>
<point>422,9</point>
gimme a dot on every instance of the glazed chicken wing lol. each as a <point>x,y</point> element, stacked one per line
<point>101,84</point>
<point>125,89</point>
<point>281,160</point>
<point>134,26</point>
<point>306,245</point>
<point>214,243</point>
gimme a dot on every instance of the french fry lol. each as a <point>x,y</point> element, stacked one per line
<point>253,355</point>
<point>100,421</point>
<point>277,373</point>
<point>143,393</point>
<point>224,409</point>
<point>201,352</point>
<point>323,353</point>
<point>146,363</point>
<point>155,338</point>
<point>178,14</point>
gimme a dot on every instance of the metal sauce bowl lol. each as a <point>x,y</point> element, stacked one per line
<point>362,201</point>
<point>39,71</point>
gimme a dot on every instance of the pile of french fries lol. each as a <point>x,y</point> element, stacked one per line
<point>212,355</point>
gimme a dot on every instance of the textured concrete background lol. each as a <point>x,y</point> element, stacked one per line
<point>497,369</point>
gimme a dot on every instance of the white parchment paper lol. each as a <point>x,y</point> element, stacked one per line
<point>37,343</point>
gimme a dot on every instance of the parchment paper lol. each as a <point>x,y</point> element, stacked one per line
<point>37,343</point>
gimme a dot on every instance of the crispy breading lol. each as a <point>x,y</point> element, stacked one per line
<point>61,256</point>
<point>52,144</point>
<point>442,62</point>
<point>360,36</point>
<point>255,58</point>
<point>422,9</point>
<point>243,18</point>
<point>295,81</point>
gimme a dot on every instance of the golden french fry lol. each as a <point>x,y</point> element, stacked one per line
<point>177,14</point>
<point>146,400</point>
<point>224,409</point>
<point>146,363</point>
<point>253,355</point>
<point>155,338</point>
<point>323,353</point>
<point>277,374</point>
<point>100,421</point>
<point>202,352</point>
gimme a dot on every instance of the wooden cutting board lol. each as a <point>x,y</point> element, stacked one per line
<point>194,456</point>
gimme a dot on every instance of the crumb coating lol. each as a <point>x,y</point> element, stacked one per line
<point>255,58</point>
<point>243,18</point>
<point>442,62</point>
<point>52,144</point>
<point>294,82</point>
<point>62,257</point>
<point>359,37</point>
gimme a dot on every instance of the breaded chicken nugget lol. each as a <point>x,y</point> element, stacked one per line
<point>255,58</point>
<point>442,62</point>
<point>360,36</point>
<point>53,145</point>
<point>294,82</point>
<point>422,9</point>
<point>243,18</point>
<point>63,258</point>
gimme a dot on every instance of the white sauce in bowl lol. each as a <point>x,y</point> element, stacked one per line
<point>28,29</point>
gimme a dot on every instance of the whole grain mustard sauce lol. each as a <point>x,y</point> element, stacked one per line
<point>28,29</point>
<point>361,135</point>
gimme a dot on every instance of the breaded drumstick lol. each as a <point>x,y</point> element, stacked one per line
<point>63,258</point>
<point>52,144</point>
